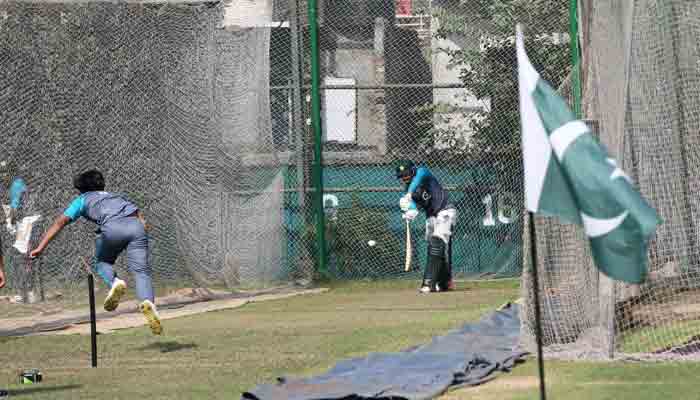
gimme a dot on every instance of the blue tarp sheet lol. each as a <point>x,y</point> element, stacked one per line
<point>464,357</point>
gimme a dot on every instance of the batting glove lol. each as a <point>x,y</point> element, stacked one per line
<point>410,214</point>
<point>405,202</point>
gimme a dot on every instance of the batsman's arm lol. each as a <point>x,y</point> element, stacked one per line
<point>50,234</point>
<point>421,173</point>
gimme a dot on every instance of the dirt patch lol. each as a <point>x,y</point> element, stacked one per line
<point>678,305</point>
<point>180,303</point>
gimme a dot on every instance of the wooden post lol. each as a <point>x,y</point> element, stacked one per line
<point>606,287</point>
<point>93,316</point>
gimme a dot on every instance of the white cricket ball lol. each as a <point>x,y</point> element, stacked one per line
<point>371,243</point>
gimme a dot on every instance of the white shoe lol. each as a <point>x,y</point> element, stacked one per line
<point>149,311</point>
<point>424,289</point>
<point>115,294</point>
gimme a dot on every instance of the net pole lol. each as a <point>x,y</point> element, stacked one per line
<point>318,136</point>
<point>93,320</point>
<point>536,297</point>
<point>575,57</point>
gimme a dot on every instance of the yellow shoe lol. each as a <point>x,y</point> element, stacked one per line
<point>149,311</point>
<point>115,294</point>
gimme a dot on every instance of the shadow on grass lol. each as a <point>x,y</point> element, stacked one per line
<point>169,347</point>
<point>39,389</point>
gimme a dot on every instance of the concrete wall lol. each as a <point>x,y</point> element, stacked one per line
<point>406,64</point>
<point>365,64</point>
<point>248,13</point>
<point>457,100</point>
<point>391,56</point>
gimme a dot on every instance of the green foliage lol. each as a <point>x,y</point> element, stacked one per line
<point>351,231</point>
<point>498,17</point>
<point>347,232</point>
<point>489,70</point>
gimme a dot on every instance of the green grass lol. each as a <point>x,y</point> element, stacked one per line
<point>218,355</point>
<point>586,381</point>
<point>352,286</point>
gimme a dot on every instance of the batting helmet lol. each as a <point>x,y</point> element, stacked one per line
<point>405,168</point>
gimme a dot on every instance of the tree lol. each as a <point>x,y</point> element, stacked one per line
<point>489,70</point>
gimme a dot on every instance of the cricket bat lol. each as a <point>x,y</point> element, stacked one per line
<point>407,266</point>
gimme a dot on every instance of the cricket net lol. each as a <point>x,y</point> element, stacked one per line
<point>641,87</point>
<point>200,113</point>
<point>172,104</point>
<point>434,82</point>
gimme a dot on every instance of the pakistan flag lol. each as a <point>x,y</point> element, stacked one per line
<point>570,176</point>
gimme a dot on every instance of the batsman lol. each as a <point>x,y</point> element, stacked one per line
<point>424,192</point>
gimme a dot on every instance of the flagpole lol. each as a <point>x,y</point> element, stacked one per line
<point>536,295</point>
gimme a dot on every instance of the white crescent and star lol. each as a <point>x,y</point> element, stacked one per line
<point>560,139</point>
<point>595,227</point>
